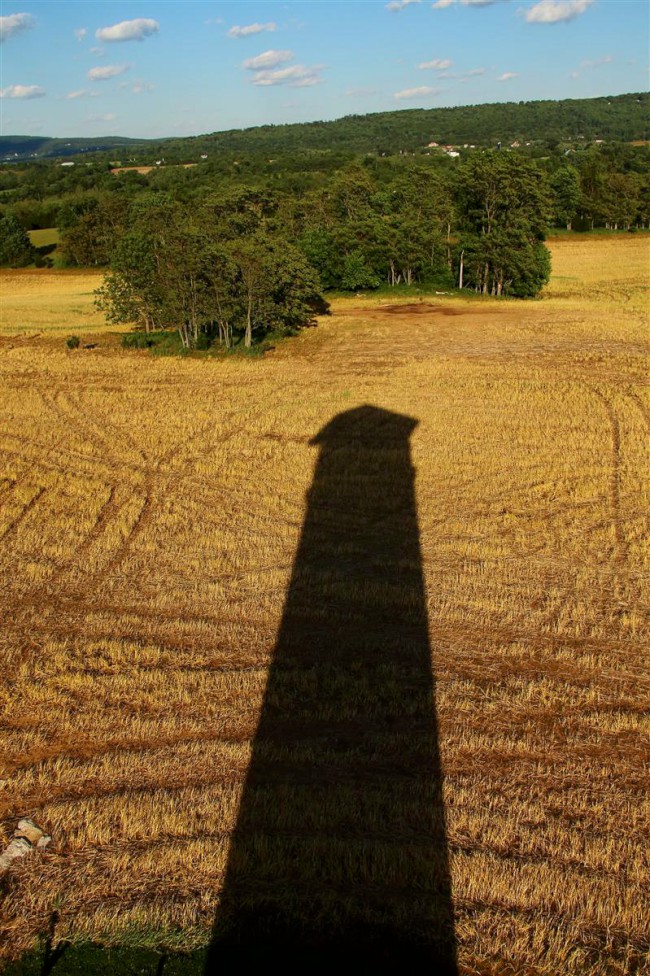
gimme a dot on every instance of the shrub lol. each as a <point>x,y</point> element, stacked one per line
<point>72,342</point>
<point>357,274</point>
<point>137,340</point>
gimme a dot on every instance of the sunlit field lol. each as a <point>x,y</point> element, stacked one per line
<point>39,302</point>
<point>151,510</point>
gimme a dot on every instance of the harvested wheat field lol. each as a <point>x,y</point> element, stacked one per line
<point>40,302</point>
<point>351,633</point>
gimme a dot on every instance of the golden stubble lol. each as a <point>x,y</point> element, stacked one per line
<point>150,511</point>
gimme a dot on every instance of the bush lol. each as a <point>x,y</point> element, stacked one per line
<point>168,344</point>
<point>163,343</point>
<point>72,342</point>
<point>357,274</point>
<point>137,340</point>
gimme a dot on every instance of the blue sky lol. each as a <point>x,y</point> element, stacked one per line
<point>164,68</point>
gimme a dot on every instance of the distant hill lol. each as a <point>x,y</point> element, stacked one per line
<point>622,118</point>
<point>44,147</point>
<point>619,117</point>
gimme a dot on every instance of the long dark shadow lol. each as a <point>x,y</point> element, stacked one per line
<point>340,853</point>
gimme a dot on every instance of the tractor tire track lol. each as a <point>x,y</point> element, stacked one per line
<point>122,437</point>
<point>138,525</point>
<point>107,515</point>
<point>615,476</point>
<point>15,523</point>
<point>72,421</point>
<point>642,408</point>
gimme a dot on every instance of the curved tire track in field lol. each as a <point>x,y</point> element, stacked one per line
<point>615,476</point>
<point>23,440</point>
<point>141,520</point>
<point>121,437</point>
<point>14,524</point>
<point>73,421</point>
<point>108,514</point>
<point>642,408</point>
<point>73,415</point>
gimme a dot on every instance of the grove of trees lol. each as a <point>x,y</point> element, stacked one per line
<point>199,274</point>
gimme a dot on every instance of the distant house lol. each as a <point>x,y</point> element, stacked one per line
<point>432,145</point>
<point>515,145</point>
<point>452,153</point>
<point>67,164</point>
<point>204,155</point>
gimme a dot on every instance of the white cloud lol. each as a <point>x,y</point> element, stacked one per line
<point>22,91</point>
<point>416,92</point>
<point>107,71</point>
<point>554,11</point>
<point>297,76</point>
<point>109,117</point>
<point>14,24</point>
<point>140,87</point>
<point>474,72</point>
<point>80,93</point>
<point>507,76</point>
<point>607,59</point>
<point>441,4</point>
<point>99,52</point>
<point>269,59</point>
<point>250,29</point>
<point>439,64</point>
<point>128,30</point>
<point>80,33</point>
<point>597,63</point>
<point>400,4</point>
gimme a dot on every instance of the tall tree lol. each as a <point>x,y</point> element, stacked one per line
<point>16,250</point>
<point>504,205</point>
<point>565,186</point>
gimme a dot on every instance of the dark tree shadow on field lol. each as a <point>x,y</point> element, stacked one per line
<point>339,854</point>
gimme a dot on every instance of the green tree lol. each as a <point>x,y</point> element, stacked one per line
<point>132,290</point>
<point>504,205</point>
<point>16,250</point>
<point>321,249</point>
<point>274,286</point>
<point>621,198</point>
<point>565,186</point>
<point>357,274</point>
<point>89,240</point>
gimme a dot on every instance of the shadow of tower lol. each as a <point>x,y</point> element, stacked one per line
<point>339,854</point>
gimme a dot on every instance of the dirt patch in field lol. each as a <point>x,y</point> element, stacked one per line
<point>421,308</point>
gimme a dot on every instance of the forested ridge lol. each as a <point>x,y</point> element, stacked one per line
<point>619,117</point>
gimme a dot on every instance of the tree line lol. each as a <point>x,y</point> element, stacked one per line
<point>248,262</point>
<point>233,255</point>
<point>614,117</point>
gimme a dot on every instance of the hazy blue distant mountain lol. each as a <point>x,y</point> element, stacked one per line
<point>44,147</point>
